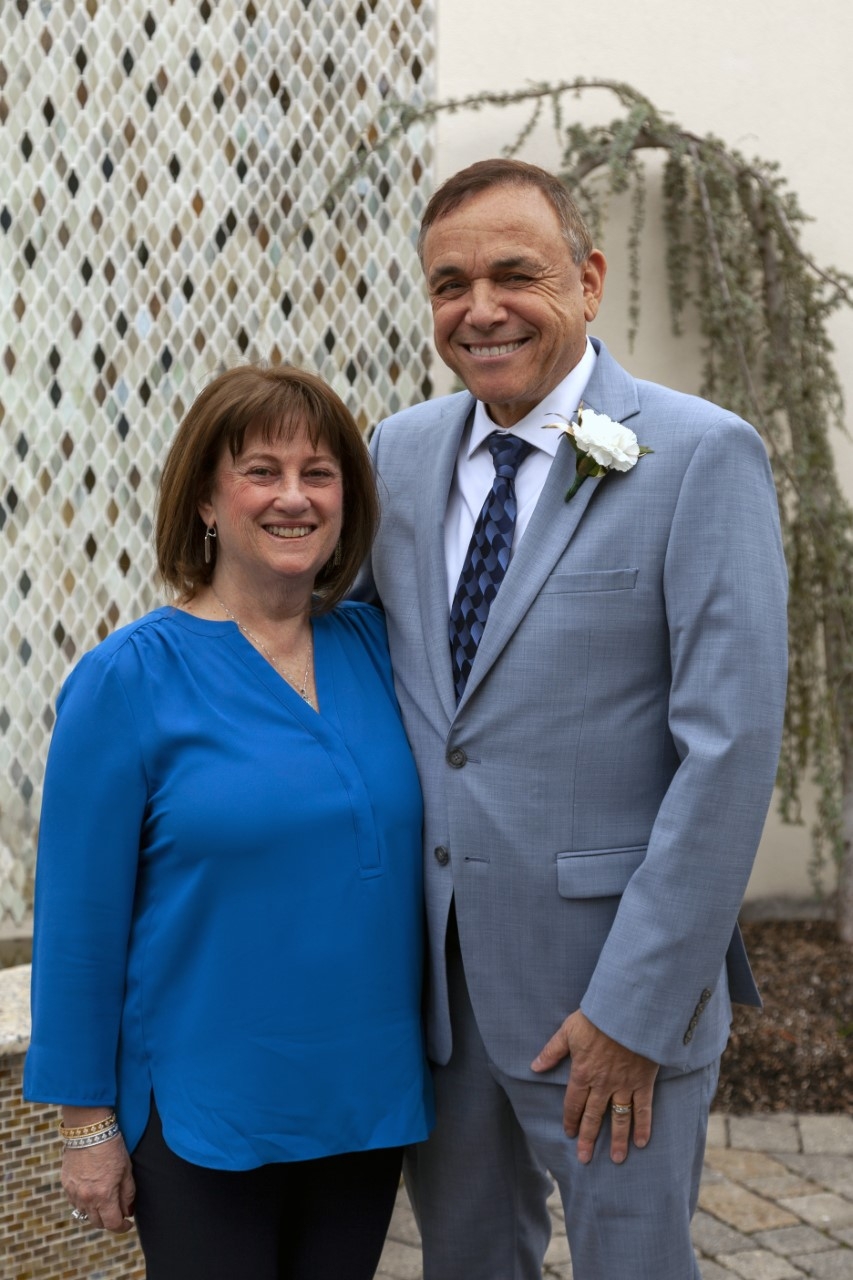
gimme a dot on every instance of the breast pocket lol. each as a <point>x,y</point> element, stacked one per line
<point>597,873</point>
<point>591,580</point>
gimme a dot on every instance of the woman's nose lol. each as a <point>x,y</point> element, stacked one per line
<point>292,492</point>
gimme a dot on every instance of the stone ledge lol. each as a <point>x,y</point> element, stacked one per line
<point>15,1010</point>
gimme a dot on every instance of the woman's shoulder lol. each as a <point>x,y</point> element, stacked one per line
<point>121,648</point>
<point>132,633</point>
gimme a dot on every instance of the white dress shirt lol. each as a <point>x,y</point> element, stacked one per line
<point>475,470</point>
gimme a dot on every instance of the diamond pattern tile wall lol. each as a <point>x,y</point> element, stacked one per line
<point>163,213</point>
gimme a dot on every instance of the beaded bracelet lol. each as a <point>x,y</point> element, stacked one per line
<point>83,1130</point>
<point>92,1139</point>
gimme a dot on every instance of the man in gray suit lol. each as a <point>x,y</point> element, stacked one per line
<point>597,735</point>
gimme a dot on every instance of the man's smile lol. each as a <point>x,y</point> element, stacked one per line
<point>495,349</point>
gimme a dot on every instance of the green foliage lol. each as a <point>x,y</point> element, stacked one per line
<point>734,255</point>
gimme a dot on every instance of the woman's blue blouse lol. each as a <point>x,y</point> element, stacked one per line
<point>228,896</point>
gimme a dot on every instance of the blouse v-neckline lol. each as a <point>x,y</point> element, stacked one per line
<point>265,671</point>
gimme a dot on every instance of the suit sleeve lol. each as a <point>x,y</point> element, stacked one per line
<point>725,590</point>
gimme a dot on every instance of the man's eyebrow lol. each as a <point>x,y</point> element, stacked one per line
<point>499,264</point>
<point>442,273</point>
<point>512,264</point>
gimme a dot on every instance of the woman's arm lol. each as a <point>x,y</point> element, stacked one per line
<point>95,794</point>
<point>94,801</point>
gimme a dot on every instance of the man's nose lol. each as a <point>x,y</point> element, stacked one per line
<point>486,305</point>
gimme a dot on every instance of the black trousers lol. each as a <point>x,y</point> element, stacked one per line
<point>308,1220</point>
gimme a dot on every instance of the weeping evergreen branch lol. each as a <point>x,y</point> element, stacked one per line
<point>734,255</point>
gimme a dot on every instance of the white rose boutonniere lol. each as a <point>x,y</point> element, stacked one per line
<point>601,445</point>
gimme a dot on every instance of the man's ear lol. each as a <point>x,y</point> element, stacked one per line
<point>593,272</point>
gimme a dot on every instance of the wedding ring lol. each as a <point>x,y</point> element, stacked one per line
<point>620,1109</point>
<point>79,1216</point>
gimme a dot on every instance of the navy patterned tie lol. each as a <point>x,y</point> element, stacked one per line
<point>487,558</point>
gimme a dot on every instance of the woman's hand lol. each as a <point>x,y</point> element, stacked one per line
<point>99,1182</point>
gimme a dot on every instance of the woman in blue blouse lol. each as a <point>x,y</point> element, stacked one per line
<point>227,959</point>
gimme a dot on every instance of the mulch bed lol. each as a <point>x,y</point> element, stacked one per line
<point>796,1055</point>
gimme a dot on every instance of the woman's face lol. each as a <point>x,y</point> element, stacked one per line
<point>277,508</point>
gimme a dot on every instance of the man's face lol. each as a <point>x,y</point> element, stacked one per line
<point>509,305</point>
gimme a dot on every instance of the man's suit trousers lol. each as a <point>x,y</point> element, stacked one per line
<point>479,1184</point>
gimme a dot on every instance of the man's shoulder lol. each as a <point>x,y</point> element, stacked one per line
<point>426,415</point>
<point>647,406</point>
<point>682,402</point>
<point>678,425</point>
<point>690,415</point>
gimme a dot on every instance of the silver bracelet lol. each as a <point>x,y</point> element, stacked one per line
<point>91,1139</point>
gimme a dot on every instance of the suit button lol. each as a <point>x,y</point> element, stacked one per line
<point>441,855</point>
<point>457,758</point>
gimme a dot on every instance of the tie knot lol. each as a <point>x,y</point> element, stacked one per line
<point>508,453</point>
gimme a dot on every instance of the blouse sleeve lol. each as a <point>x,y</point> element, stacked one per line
<point>94,802</point>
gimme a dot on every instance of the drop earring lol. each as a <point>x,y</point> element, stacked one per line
<point>209,535</point>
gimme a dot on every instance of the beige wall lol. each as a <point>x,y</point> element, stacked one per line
<point>769,77</point>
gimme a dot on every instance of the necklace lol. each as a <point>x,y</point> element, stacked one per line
<point>259,644</point>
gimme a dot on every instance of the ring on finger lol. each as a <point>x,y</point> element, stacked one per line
<point>79,1216</point>
<point>621,1108</point>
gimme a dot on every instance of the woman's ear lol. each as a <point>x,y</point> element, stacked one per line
<point>205,510</point>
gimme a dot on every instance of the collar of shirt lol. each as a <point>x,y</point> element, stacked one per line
<point>559,406</point>
<point>474,472</point>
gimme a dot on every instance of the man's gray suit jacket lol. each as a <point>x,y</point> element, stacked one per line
<point>595,801</point>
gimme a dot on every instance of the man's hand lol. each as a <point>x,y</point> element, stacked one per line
<point>604,1074</point>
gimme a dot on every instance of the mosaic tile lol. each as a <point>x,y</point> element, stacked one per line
<point>164,214</point>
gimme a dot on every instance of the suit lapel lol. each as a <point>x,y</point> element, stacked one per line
<point>611,389</point>
<point>439,446</point>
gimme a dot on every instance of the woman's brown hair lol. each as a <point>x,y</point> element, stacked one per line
<point>277,400</point>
